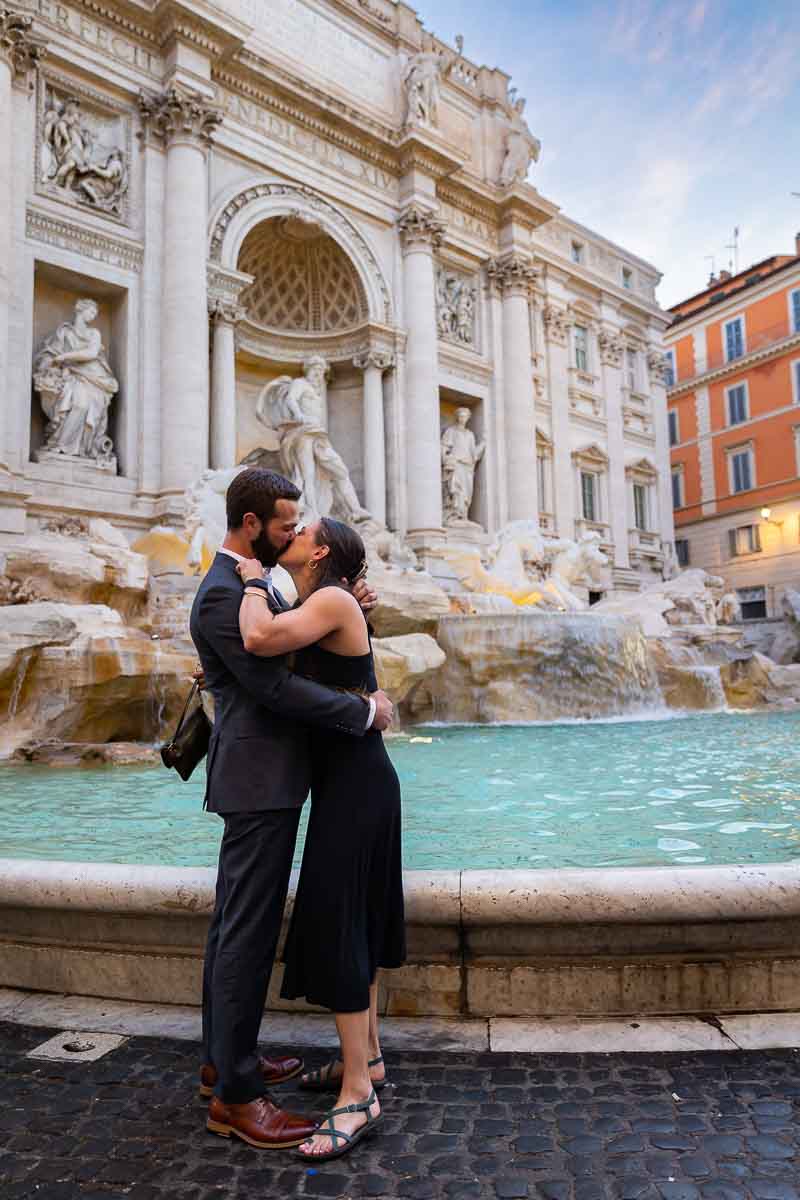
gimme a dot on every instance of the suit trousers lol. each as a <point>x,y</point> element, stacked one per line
<point>255,862</point>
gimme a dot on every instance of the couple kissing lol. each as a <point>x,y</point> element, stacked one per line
<point>280,734</point>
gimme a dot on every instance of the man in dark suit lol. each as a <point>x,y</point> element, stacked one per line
<point>258,776</point>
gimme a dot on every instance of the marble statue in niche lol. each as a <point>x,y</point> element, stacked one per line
<point>75,162</point>
<point>522,148</point>
<point>75,383</point>
<point>422,83</point>
<point>461,453</point>
<point>455,307</point>
<point>295,409</point>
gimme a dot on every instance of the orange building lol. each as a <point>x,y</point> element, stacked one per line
<point>733,396</point>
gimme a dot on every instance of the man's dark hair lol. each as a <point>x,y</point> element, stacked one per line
<point>256,490</point>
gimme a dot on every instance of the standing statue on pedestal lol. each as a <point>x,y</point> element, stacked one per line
<point>460,457</point>
<point>522,148</point>
<point>295,408</point>
<point>421,80</point>
<point>75,384</point>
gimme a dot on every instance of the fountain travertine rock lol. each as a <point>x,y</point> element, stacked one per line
<point>407,664</point>
<point>529,666</point>
<point>90,564</point>
<point>690,598</point>
<point>77,673</point>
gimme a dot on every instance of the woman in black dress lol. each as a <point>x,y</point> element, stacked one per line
<point>348,913</point>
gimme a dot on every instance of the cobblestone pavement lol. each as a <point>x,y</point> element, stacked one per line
<point>700,1126</point>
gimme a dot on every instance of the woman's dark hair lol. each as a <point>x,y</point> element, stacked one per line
<point>346,559</point>
<point>256,490</point>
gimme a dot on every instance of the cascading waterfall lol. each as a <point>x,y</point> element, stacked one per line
<point>527,666</point>
<point>17,685</point>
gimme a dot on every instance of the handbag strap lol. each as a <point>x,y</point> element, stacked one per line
<point>195,687</point>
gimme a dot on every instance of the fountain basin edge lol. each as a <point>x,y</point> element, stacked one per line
<point>565,942</point>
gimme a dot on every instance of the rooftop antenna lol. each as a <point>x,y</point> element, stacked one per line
<point>733,263</point>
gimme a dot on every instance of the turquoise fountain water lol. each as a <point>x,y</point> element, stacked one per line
<point>704,789</point>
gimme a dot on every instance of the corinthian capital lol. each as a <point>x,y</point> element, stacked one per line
<point>418,227</point>
<point>513,275</point>
<point>19,46</point>
<point>224,311</point>
<point>381,359</point>
<point>181,115</point>
<point>611,348</point>
<point>556,324</point>
<point>657,365</point>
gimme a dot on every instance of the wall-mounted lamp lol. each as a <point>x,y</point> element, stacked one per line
<point>766,514</point>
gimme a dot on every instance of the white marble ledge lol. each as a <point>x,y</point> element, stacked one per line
<point>629,1035</point>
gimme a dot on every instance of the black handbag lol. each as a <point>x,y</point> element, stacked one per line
<point>189,742</point>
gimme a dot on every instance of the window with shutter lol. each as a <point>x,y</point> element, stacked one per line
<point>669,374</point>
<point>677,489</point>
<point>737,404</point>
<point>742,472</point>
<point>796,311</point>
<point>673,427</point>
<point>588,496</point>
<point>734,339</point>
<point>797,382</point>
<point>682,551</point>
<point>581,348</point>
<point>640,506</point>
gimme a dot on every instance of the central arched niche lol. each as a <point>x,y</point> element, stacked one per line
<point>304,284</point>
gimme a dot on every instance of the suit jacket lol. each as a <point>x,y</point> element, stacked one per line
<point>259,754</point>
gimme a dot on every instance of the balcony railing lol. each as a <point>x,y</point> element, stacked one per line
<point>753,342</point>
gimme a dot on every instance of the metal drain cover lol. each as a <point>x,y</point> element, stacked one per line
<point>77,1047</point>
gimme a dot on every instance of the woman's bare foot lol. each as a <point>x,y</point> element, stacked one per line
<point>348,1123</point>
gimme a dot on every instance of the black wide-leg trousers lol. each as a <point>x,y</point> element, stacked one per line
<point>255,862</point>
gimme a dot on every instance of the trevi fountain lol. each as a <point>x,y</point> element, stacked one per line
<point>311,243</point>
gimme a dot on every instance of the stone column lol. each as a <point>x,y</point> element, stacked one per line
<point>611,350</point>
<point>20,50</point>
<point>373,363</point>
<point>656,370</point>
<point>224,319</point>
<point>555,323</point>
<point>186,121</point>
<point>515,277</point>
<point>420,233</point>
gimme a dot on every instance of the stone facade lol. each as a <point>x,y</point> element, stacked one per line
<point>239,189</point>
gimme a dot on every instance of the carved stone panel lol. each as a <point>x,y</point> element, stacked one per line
<point>456,298</point>
<point>83,148</point>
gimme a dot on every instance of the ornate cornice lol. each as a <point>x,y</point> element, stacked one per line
<point>420,228</point>
<point>382,360</point>
<point>81,239</point>
<point>181,116</point>
<point>513,275</point>
<point>20,47</point>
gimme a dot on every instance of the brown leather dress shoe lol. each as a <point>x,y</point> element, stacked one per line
<point>259,1123</point>
<point>274,1071</point>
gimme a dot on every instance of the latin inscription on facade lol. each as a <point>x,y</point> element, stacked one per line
<point>315,41</point>
<point>310,144</point>
<point>100,37</point>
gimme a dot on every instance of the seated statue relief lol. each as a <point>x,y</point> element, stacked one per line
<point>75,383</point>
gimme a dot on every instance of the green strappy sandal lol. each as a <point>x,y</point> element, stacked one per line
<point>327,1128</point>
<point>323,1079</point>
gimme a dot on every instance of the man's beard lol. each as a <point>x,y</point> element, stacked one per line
<point>264,551</point>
